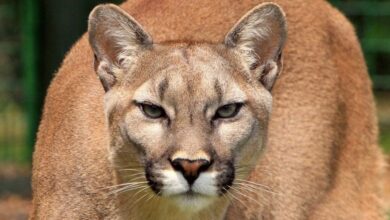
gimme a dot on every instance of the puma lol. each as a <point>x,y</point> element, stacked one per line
<point>163,110</point>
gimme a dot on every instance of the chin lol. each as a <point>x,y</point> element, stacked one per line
<point>192,202</point>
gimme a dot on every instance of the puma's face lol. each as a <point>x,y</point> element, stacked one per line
<point>186,119</point>
<point>193,118</point>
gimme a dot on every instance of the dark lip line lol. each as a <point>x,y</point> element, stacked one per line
<point>155,187</point>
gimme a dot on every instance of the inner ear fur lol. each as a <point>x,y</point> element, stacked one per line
<point>116,40</point>
<point>258,38</point>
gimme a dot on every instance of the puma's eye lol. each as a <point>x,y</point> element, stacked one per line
<point>152,111</point>
<point>228,111</point>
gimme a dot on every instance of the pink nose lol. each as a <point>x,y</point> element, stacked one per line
<point>190,168</point>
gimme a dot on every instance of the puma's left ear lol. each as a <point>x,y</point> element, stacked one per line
<point>259,38</point>
<point>116,39</point>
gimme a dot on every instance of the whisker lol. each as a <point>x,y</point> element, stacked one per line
<point>131,173</point>
<point>251,167</point>
<point>130,169</point>
<point>257,202</point>
<point>136,178</point>
<point>125,184</point>
<point>254,187</point>
<point>141,191</point>
<point>126,189</point>
<point>253,183</point>
<point>251,190</point>
<point>116,189</point>
<point>150,197</point>
<point>130,166</point>
<point>139,199</point>
<point>114,186</point>
<point>247,187</point>
<point>234,197</point>
<point>135,174</point>
<point>126,203</point>
<point>226,196</point>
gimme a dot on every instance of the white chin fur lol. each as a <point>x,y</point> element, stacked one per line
<point>173,183</point>
<point>204,189</point>
<point>205,184</point>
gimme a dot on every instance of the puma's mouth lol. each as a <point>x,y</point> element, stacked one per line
<point>189,197</point>
<point>174,183</point>
<point>171,183</point>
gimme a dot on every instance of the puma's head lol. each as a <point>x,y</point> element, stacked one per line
<point>188,119</point>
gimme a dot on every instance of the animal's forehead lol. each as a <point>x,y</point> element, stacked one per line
<point>193,73</point>
<point>194,60</point>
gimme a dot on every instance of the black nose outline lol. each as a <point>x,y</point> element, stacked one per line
<point>190,169</point>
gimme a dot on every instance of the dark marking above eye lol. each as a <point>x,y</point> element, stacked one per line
<point>185,54</point>
<point>218,90</point>
<point>191,118</point>
<point>162,87</point>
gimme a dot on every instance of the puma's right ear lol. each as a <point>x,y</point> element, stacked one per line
<point>259,38</point>
<point>116,40</point>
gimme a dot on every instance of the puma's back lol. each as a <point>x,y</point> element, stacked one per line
<point>321,160</point>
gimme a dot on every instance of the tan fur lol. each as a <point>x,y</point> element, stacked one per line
<point>321,160</point>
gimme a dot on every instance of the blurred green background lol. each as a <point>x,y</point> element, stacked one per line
<point>35,35</point>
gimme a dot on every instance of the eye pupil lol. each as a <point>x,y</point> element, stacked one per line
<point>152,111</point>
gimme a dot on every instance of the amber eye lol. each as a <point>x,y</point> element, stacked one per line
<point>228,111</point>
<point>152,111</point>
